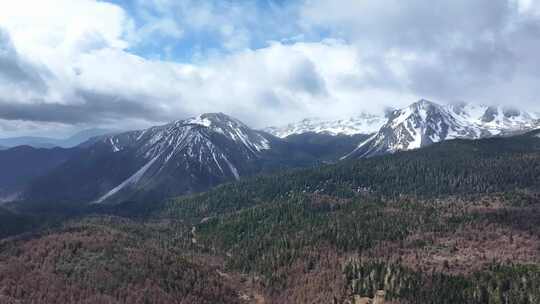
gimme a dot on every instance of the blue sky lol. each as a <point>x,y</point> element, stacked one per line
<point>253,23</point>
<point>67,65</point>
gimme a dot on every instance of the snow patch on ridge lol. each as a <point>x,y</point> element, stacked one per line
<point>113,144</point>
<point>232,168</point>
<point>132,180</point>
<point>365,142</point>
<point>199,120</point>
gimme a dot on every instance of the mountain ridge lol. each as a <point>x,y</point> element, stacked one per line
<point>425,122</point>
<point>23,163</point>
<point>192,155</point>
<point>191,139</point>
<point>46,142</point>
<point>359,124</point>
<point>182,157</point>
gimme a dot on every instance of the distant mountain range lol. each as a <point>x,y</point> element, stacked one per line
<point>360,124</point>
<point>418,125</point>
<point>192,155</point>
<point>424,123</point>
<point>46,142</point>
<point>23,164</point>
<point>493,119</point>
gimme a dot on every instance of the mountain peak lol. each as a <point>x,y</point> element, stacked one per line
<point>425,101</point>
<point>180,157</point>
<point>425,122</point>
<point>211,119</point>
<point>423,104</point>
<point>218,116</point>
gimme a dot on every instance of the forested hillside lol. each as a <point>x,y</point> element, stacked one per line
<point>458,222</point>
<point>109,260</point>
<point>456,167</point>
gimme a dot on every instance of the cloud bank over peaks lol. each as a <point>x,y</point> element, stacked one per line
<point>131,64</point>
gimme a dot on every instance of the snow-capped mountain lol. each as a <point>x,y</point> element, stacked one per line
<point>425,122</point>
<point>361,124</point>
<point>192,155</point>
<point>173,138</point>
<point>181,157</point>
<point>218,146</point>
<point>497,120</point>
